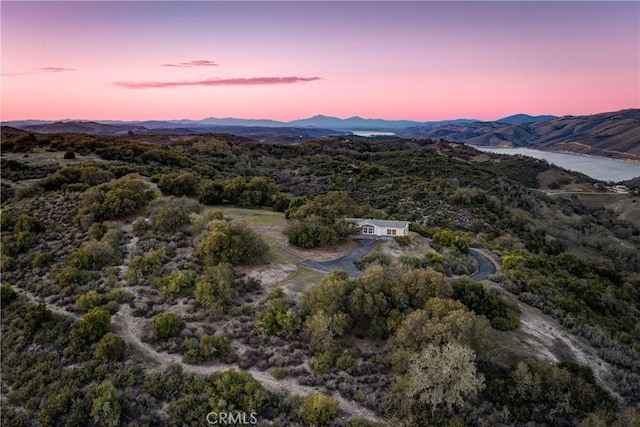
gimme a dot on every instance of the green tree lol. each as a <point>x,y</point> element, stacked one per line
<point>259,191</point>
<point>91,299</point>
<point>105,407</point>
<point>321,220</point>
<point>483,302</point>
<point>168,220</point>
<point>233,189</point>
<point>214,288</point>
<point>179,184</point>
<point>210,192</point>
<point>110,347</point>
<point>36,315</point>
<point>166,325</point>
<point>441,322</point>
<point>181,282</point>
<point>94,324</point>
<point>214,347</point>
<point>451,239</point>
<point>234,244</point>
<point>321,330</point>
<point>318,409</point>
<point>278,317</point>
<point>439,379</point>
<point>28,223</point>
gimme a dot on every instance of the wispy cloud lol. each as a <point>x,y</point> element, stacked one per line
<point>54,69</point>
<point>41,70</point>
<point>251,81</point>
<point>194,63</point>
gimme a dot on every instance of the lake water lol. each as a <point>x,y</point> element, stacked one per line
<point>371,133</point>
<point>595,167</point>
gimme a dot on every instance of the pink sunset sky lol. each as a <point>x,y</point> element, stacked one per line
<point>289,60</point>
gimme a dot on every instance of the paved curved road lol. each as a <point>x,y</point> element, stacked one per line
<point>349,261</point>
<point>485,267</point>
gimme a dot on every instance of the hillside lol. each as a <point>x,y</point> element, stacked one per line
<point>155,279</point>
<point>260,133</point>
<point>615,135</point>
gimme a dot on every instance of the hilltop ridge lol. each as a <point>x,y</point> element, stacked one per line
<point>610,134</point>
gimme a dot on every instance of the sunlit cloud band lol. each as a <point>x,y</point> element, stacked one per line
<point>251,81</point>
<point>191,64</point>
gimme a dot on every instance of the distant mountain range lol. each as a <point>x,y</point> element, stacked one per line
<point>613,134</point>
<point>319,121</point>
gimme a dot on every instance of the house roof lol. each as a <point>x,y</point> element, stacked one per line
<point>378,222</point>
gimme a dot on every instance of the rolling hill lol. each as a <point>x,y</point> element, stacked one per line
<point>613,134</point>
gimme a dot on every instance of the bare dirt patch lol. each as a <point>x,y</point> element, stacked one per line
<point>268,274</point>
<point>419,246</point>
<point>541,337</point>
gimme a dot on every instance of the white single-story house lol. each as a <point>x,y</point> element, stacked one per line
<point>381,227</point>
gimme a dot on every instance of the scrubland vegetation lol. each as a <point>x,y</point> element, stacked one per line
<point>131,296</point>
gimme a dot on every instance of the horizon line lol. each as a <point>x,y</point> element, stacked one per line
<point>307,118</point>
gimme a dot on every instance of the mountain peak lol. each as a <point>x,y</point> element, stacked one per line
<point>524,118</point>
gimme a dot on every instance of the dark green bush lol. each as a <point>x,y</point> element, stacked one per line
<point>166,325</point>
<point>402,241</point>
<point>110,347</point>
<point>169,220</point>
<point>483,302</point>
<point>234,244</point>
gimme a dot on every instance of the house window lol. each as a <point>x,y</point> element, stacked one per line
<point>391,232</point>
<point>367,229</point>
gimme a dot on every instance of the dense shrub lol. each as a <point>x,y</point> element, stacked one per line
<point>214,347</point>
<point>322,363</point>
<point>278,317</point>
<point>94,325</point>
<point>214,288</point>
<point>318,409</point>
<point>28,223</point>
<point>210,192</point>
<point>472,294</point>
<point>234,244</point>
<point>402,241</point>
<point>110,347</point>
<point>451,239</point>
<point>549,394</point>
<point>148,266</point>
<point>179,184</point>
<point>374,303</point>
<point>180,283</point>
<point>166,325</point>
<point>115,199</point>
<point>377,257</point>
<point>168,220</point>
<point>321,220</point>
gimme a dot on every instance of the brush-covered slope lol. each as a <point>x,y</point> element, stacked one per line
<point>613,134</point>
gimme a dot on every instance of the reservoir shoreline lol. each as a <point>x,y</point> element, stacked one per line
<point>599,168</point>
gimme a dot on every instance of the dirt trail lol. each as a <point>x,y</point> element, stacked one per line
<point>51,306</point>
<point>131,328</point>
<point>548,340</point>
